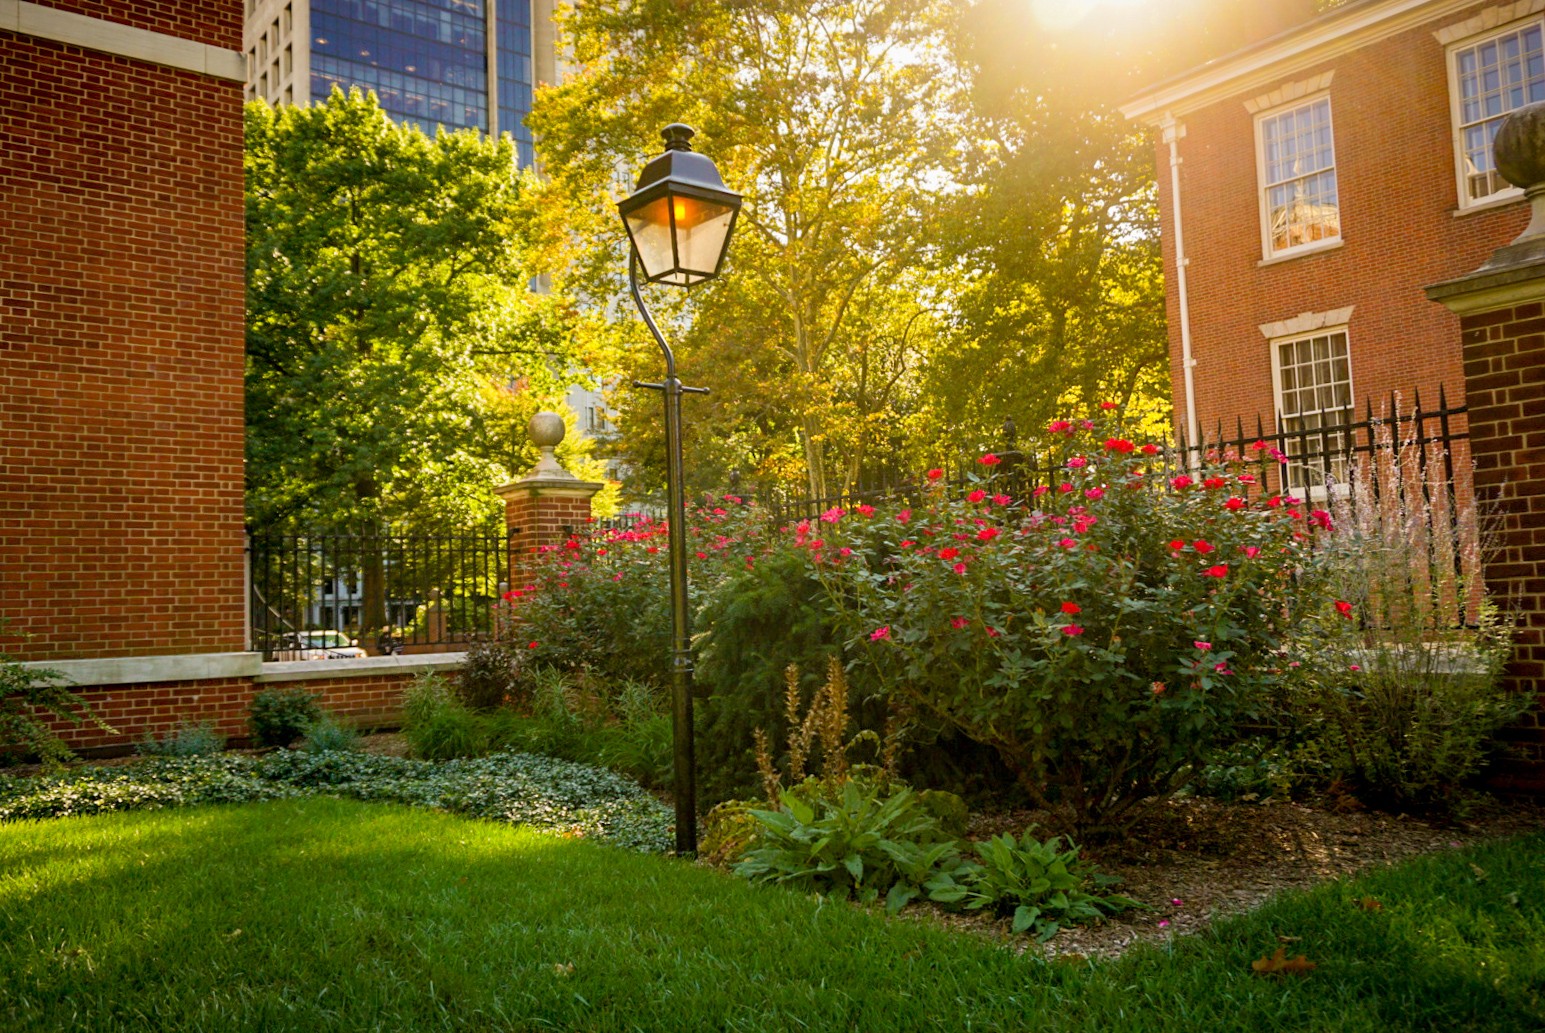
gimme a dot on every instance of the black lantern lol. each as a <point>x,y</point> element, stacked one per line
<point>679,221</point>
<point>681,215</point>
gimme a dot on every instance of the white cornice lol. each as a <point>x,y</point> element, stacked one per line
<point>157,48</point>
<point>1318,41</point>
<point>1488,19</point>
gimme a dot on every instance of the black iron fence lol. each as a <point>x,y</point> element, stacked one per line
<point>327,595</point>
<point>1315,458</point>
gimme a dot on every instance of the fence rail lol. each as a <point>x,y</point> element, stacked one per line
<point>322,595</point>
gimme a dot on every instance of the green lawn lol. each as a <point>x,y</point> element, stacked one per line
<point>321,914</point>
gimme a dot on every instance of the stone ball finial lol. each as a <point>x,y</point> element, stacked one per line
<point>1519,150</point>
<point>546,430</point>
<point>1520,146</point>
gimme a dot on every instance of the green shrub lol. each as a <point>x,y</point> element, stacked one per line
<point>638,741</point>
<point>425,694</point>
<point>23,692</point>
<point>1250,770</point>
<point>327,734</point>
<point>1406,727</point>
<point>948,809</point>
<point>278,717</point>
<point>1402,695</point>
<point>491,675</point>
<point>449,731</point>
<point>756,623</point>
<point>854,844</point>
<point>1044,886</point>
<point>186,740</point>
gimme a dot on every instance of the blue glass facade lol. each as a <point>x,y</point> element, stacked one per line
<point>427,60</point>
<point>515,78</point>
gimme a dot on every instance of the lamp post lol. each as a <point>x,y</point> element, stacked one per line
<point>679,220</point>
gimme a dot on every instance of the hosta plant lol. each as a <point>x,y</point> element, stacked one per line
<point>853,844</point>
<point>1042,884</point>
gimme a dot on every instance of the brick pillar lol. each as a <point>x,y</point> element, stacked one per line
<point>1501,309</point>
<point>541,507</point>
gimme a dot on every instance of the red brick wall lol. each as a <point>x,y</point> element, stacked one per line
<point>157,708</point>
<point>536,520</point>
<point>1395,174</point>
<point>216,22</point>
<point>121,297</point>
<point>1504,361</point>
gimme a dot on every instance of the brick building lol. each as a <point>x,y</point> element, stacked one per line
<point>121,350</point>
<point>121,332</point>
<point>1313,183</point>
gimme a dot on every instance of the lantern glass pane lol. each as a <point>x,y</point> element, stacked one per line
<point>702,229</point>
<point>650,228</point>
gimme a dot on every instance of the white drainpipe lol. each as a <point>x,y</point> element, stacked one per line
<point>1173,131</point>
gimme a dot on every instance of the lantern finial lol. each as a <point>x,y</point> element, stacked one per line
<point>678,136</point>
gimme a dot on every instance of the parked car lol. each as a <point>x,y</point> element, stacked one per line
<point>317,645</point>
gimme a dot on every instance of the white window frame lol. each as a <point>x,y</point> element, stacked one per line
<point>1507,191</point>
<point>1263,187</point>
<point>1339,468</point>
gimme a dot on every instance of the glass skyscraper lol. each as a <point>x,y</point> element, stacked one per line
<point>456,63</point>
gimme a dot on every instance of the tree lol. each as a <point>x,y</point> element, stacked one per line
<point>1061,302</point>
<point>826,116</point>
<point>387,302</point>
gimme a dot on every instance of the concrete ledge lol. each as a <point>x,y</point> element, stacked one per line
<point>132,670</point>
<point>354,667</point>
<point>121,40</point>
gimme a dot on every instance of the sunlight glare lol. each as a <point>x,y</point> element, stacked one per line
<point>1059,15</point>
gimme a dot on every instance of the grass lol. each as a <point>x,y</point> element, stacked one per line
<point>322,914</point>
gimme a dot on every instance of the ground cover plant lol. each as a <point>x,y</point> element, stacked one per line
<point>324,914</point>
<point>544,793</point>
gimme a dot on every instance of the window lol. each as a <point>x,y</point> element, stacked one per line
<point>1314,404</point>
<point>1490,78</point>
<point>1300,208</point>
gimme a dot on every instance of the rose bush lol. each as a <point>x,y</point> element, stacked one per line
<point>1103,633</point>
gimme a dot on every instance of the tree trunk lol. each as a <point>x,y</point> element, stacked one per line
<point>372,561</point>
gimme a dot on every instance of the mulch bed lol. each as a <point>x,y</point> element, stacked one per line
<point>1194,860</point>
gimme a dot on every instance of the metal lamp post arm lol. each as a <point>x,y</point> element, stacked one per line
<point>681,631</point>
<point>643,310</point>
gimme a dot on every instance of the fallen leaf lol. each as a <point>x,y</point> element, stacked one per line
<point>1279,964</point>
<point>1368,904</point>
<point>563,969</point>
<point>1288,939</point>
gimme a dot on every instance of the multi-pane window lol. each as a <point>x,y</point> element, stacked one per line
<point>1491,78</point>
<point>1314,402</point>
<point>1298,177</point>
